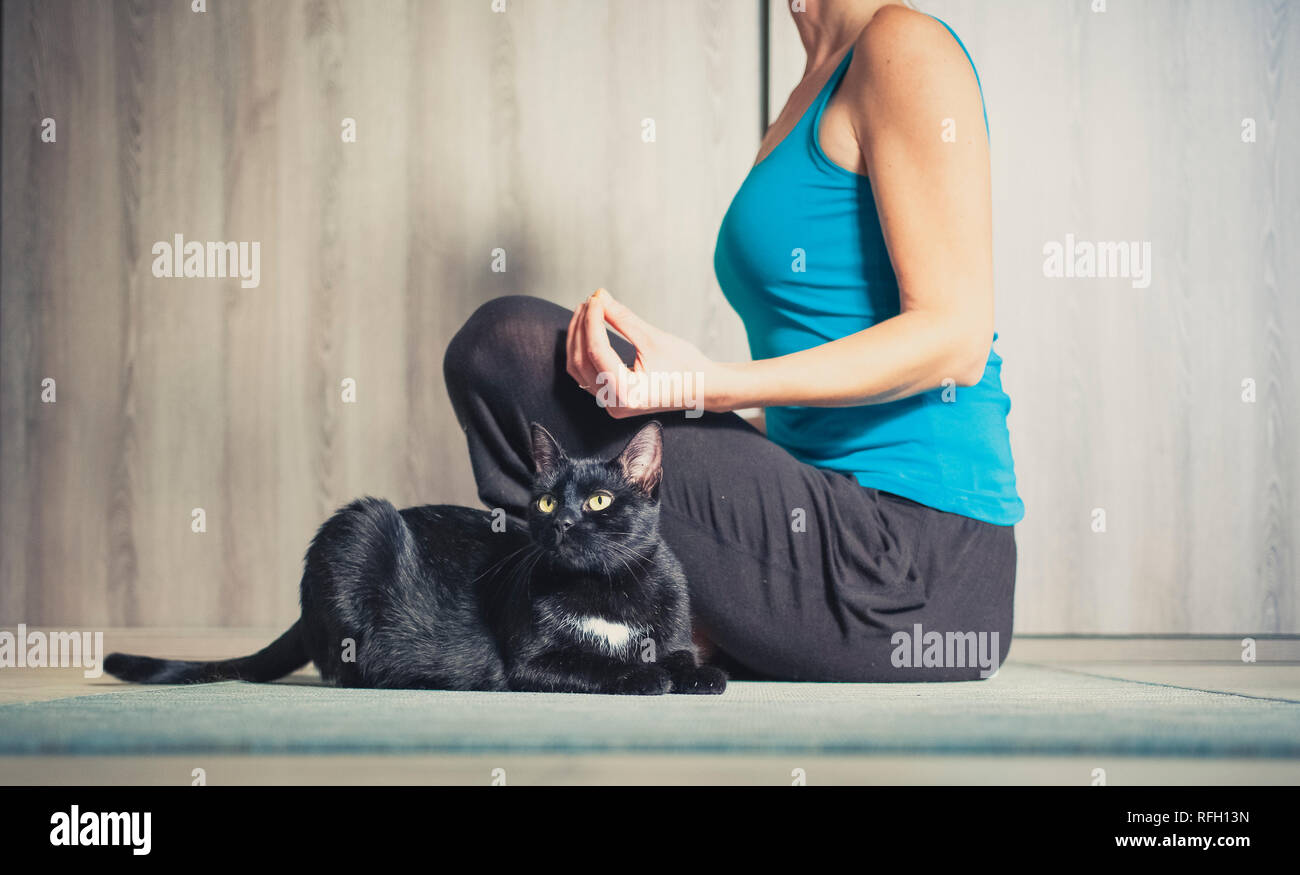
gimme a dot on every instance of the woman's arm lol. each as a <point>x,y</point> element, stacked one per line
<point>908,77</point>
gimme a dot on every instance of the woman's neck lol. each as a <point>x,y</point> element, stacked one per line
<point>828,26</point>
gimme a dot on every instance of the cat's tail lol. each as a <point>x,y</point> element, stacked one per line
<point>277,659</point>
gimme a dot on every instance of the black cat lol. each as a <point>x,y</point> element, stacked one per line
<point>587,599</point>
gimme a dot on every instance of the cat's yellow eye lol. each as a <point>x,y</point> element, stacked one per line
<point>600,501</point>
<point>546,504</point>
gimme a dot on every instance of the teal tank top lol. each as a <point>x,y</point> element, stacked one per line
<point>801,258</point>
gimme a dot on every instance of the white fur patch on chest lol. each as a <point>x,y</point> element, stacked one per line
<point>610,635</point>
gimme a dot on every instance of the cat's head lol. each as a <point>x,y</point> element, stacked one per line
<point>596,514</point>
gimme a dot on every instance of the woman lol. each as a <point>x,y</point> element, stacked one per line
<point>858,254</point>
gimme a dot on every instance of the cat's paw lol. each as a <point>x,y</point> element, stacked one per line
<point>706,680</point>
<point>644,679</point>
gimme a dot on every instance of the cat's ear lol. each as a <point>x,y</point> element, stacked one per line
<point>642,460</point>
<point>546,449</point>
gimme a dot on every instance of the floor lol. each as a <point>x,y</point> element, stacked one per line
<point>1060,711</point>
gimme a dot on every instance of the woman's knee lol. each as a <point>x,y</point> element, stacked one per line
<point>501,336</point>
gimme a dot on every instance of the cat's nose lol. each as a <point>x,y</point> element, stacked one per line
<point>564,521</point>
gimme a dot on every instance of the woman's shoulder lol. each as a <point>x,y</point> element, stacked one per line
<point>899,32</point>
<point>907,61</point>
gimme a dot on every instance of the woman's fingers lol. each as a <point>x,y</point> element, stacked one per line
<point>627,323</point>
<point>598,354</point>
<point>589,354</point>
<point>572,343</point>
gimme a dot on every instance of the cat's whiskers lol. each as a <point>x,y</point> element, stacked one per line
<point>623,553</point>
<point>520,569</point>
<point>495,565</point>
<point>625,550</point>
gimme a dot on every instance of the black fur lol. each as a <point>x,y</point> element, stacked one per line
<point>435,597</point>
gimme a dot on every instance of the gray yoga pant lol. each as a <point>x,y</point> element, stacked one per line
<point>856,592</point>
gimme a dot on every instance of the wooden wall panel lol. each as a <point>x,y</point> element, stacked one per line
<point>522,130</point>
<point>475,130</point>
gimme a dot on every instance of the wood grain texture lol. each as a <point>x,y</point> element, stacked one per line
<point>522,131</point>
<point>1126,125</point>
<point>475,130</point>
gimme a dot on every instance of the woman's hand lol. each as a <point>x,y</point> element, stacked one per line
<point>669,373</point>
